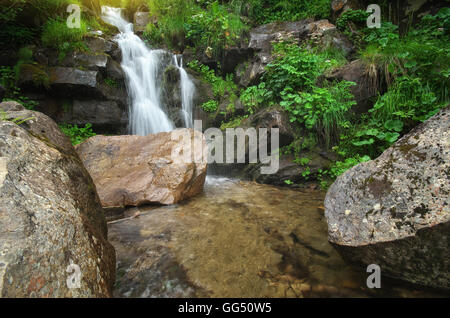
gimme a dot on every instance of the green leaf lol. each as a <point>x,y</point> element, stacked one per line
<point>395,125</point>
<point>363,142</point>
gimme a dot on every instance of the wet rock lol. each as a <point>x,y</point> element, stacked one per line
<point>52,221</point>
<point>114,70</point>
<point>365,89</point>
<point>394,211</point>
<point>72,82</point>
<point>136,170</point>
<point>99,44</point>
<point>141,19</point>
<point>85,61</point>
<point>273,117</point>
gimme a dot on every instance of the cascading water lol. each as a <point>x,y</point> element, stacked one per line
<point>187,93</point>
<point>142,68</point>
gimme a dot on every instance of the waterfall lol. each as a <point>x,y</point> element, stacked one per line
<point>187,93</point>
<point>141,67</point>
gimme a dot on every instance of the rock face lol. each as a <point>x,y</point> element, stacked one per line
<point>51,219</point>
<point>136,170</point>
<point>395,211</point>
<point>364,90</point>
<point>74,82</point>
<point>261,40</point>
<point>141,19</point>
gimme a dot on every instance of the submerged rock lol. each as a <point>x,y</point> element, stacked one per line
<point>137,170</point>
<point>395,211</point>
<point>51,218</point>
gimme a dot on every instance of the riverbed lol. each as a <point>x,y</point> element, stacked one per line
<point>238,239</point>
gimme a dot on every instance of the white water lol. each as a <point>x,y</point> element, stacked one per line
<point>142,68</point>
<point>187,93</point>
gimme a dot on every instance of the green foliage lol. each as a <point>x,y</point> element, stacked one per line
<point>77,134</point>
<point>293,78</point>
<point>339,167</point>
<point>351,18</point>
<point>254,97</point>
<point>172,16</point>
<point>111,82</point>
<point>266,11</point>
<point>220,86</point>
<point>210,106</point>
<point>56,34</point>
<point>409,100</point>
<point>235,122</point>
<point>18,120</point>
<point>323,109</point>
<point>7,80</point>
<point>183,22</point>
<point>216,28</point>
<point>293,67</point>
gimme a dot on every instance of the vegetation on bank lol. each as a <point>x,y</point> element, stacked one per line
<point>409,68</point>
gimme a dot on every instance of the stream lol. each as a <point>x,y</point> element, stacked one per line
<point>238,239</point>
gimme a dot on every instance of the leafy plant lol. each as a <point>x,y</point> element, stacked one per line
<point>216,27</point>
<point>255,96</point>
<point>323,109</point>
<point>210,106</point>
<point>77,134</point>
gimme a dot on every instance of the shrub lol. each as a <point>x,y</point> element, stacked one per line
<point>323,109</point>
<point>77,134</point>
<point>56,33</point>
<point>216,28</point>
<point>210,106</point>
<point>266,11</point>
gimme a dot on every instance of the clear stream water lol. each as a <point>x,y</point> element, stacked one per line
<point>238,239</point>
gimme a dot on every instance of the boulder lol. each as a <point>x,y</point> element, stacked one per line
<point>52,222</point>
<point>395,211</point>
<point>73,82</point>
<point>137,170</point>
<point>11,106</point>
<point>365,89</point>
<point>39,125</point>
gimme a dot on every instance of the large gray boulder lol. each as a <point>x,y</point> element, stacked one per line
<point>51,219</point>
<point>395,211</point>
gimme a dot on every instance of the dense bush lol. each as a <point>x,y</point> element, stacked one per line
<point>266,11</point>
